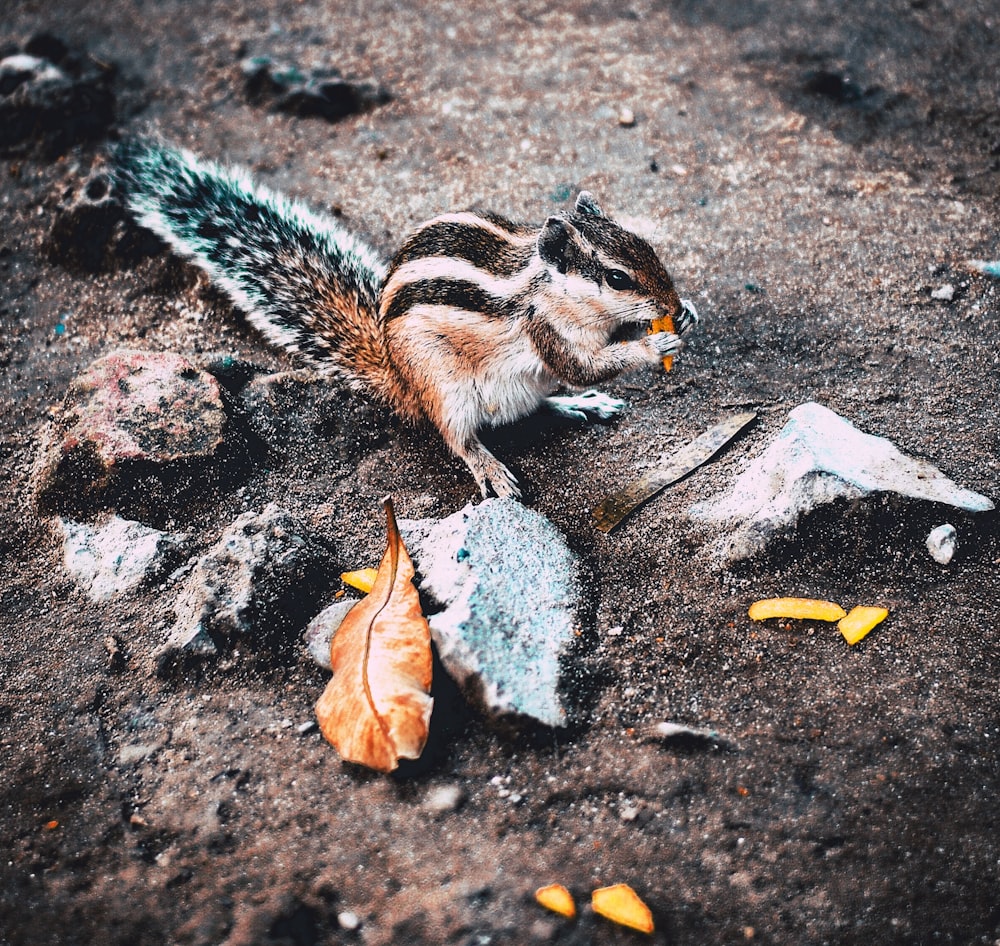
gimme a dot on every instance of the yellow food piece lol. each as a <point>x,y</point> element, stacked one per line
<point>795,608</point>
<point>621,904</point>
<point>860,621</point>
<point>666,324</point>
<point>557,898</point>
<point>363,579</point>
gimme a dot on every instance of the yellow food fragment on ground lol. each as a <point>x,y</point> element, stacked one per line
<point>362,579</point>
<point>860,621</point>
<point>557,898</point>
<point>621,904</point>
<point>801,608</point>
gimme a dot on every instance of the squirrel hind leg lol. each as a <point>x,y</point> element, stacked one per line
<point>493,477</point>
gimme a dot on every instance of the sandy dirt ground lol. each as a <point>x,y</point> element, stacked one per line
<point>811,173</point>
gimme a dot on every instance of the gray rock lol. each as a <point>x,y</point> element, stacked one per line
<point>52,98</point>
<point>321,629</point>
<point>319,93</point>
<point>130,755</point>
<point>263,568</point>
<point>112,557</point>
<point>509,589</point>
<point>942,543</point>
<point>129,412</point>
<point>348,920</point>
<point>816,458</point>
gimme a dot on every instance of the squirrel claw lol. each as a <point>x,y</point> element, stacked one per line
<point>493,477</point>
<point>501,484</point>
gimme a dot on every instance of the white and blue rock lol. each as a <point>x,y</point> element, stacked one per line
<point>509,589</point>
<point>114,556</point>
<point>816,458</point>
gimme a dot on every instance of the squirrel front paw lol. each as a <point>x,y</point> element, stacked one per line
<point>687,319</point>
<point>663,344</point>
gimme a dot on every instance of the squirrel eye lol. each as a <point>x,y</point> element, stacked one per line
<point>616,279</point>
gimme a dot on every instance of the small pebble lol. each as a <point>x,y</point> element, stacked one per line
<point>307,727</point>
<point>444,798</point>
<point>348,920</point>
<point>942,542</point>
<point>626,117</point>
<point>945,293</point>
<point>544,931</point>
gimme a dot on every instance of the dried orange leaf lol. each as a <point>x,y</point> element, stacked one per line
<point>621,904</point>
<point>802,608</point>
<point>557,898</point>
<point>363,579</point>
<point>376,710</point>
<point>666,324</point>
<point>860,621</point>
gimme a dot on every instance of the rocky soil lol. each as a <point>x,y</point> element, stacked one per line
<point>817,178</point>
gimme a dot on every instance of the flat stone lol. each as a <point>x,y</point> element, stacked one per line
<point>128,410</point>
<point>129,755</point>
<point>509,591</point>
<point>816,458</point>
<point>113,557</point>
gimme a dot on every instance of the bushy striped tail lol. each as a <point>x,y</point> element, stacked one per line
<point>300,278</point>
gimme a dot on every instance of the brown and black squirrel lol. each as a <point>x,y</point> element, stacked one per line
<point>474,323</point>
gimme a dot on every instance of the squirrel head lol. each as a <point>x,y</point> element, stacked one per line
<point>603,259</point>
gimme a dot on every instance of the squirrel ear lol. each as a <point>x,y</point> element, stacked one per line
<point>554,242</point>
<point>586,204</point>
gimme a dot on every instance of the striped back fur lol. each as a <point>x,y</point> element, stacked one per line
<point>468,261</point>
